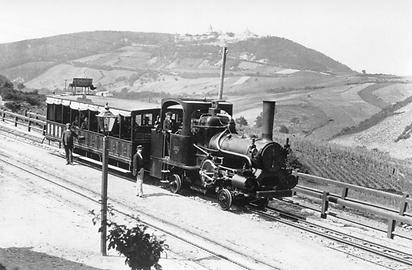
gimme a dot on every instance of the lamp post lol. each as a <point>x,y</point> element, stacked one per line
<point>106,121</point>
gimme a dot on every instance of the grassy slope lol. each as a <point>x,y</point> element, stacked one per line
<point>358,165</point>
<point>383,135</point>
<point>382,129</point>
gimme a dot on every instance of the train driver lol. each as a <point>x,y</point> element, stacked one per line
<point>167,128</point>
<point>167,123</point>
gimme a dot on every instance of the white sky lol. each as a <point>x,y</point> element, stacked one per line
<point>375,35</point>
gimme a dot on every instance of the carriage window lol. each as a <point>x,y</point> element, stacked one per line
<point>194,121</point>
<point>116,127</point>
<point>51,111</point>
<point>58,113</point>
<point>84,120</point>
<point>126,132</point>
<point>148,119</point>
<point>138,119</point>
<point>66,115</point>
<point>94,126</point>
<point>75,119</point>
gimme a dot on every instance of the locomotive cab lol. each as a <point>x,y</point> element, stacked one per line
<point>174,154</point>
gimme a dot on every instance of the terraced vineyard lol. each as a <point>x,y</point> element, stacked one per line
<point>356,166</point>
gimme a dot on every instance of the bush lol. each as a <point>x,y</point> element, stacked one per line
<point>283,129</point>
<point>259,120</point>
<point>33,98</point>
<point>241,121</point>
<point>13,106</point>
<point>141,249</point>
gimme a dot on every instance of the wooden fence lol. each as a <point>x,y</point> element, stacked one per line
<point>393,216</point>
<point>32,121</point>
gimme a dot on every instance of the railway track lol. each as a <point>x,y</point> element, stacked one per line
<point>298,222</point>
<point>226,255</point>
<point>362,244</point>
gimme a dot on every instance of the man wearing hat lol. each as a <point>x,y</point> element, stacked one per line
<point>67,141</point>
<point>167,129</point>
<point>138,170</point>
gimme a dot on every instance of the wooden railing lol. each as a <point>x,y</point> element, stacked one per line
<point>393,215</point>
<point>35,116</point>
<point>33,121</point>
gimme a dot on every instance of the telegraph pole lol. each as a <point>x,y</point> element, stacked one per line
<point>222,72</point>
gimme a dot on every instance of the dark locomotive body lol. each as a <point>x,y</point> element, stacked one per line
<point>207,154</point>
<point>203,151</point>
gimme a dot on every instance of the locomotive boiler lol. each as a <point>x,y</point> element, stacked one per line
<point>208,155</point>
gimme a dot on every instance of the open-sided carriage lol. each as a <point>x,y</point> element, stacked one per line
<point>132,127</point>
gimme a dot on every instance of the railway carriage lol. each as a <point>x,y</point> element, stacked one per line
<point>132,127</point>
<point>203,151</point>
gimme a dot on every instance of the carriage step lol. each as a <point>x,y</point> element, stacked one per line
<point>165,171</point>
<point>165,181</point>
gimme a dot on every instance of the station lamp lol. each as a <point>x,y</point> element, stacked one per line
<point>105,121</point>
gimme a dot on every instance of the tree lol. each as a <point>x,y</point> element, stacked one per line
<point>241,121</point>
<point>13,106</point>
<point>259,120</point>
<point>283,129</point>
<point>20,86</point>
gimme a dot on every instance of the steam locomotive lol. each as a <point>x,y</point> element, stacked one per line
<point>203,151</point>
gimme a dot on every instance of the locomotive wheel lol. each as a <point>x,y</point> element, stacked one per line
<point>224,197</point>
<point>206,172</point>
<point>175,184</point>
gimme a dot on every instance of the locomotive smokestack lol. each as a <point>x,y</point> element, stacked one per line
<point>268,117</point>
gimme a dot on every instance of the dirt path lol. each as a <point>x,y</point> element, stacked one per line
<point>55,223</point>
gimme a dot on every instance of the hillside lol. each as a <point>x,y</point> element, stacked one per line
<point>134,52</point>
<point>128,64</point>
<point>317,97</point>
<point>391,133</point>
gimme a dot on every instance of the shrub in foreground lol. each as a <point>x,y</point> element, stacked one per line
<point>141,249</point>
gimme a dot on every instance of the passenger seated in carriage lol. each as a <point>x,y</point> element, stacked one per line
<point>75,123</point>
<point>84,124</point>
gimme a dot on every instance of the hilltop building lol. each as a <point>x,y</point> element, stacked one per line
<point>213,35</point>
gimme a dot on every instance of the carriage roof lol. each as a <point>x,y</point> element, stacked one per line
<point>99,102</point>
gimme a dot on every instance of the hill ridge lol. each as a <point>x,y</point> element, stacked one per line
<point>29,58</point>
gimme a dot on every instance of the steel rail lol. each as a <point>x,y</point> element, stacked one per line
<point>374,248</point>
<point>337,216</point>
<point>210,251</point>
<point>331,234</point>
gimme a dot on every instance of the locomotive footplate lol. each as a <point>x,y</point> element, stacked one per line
<point>273,193</point>
<point>180,165</point>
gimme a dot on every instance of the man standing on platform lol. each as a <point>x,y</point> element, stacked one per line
<point>67,141</point>
<point>138,170</point>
